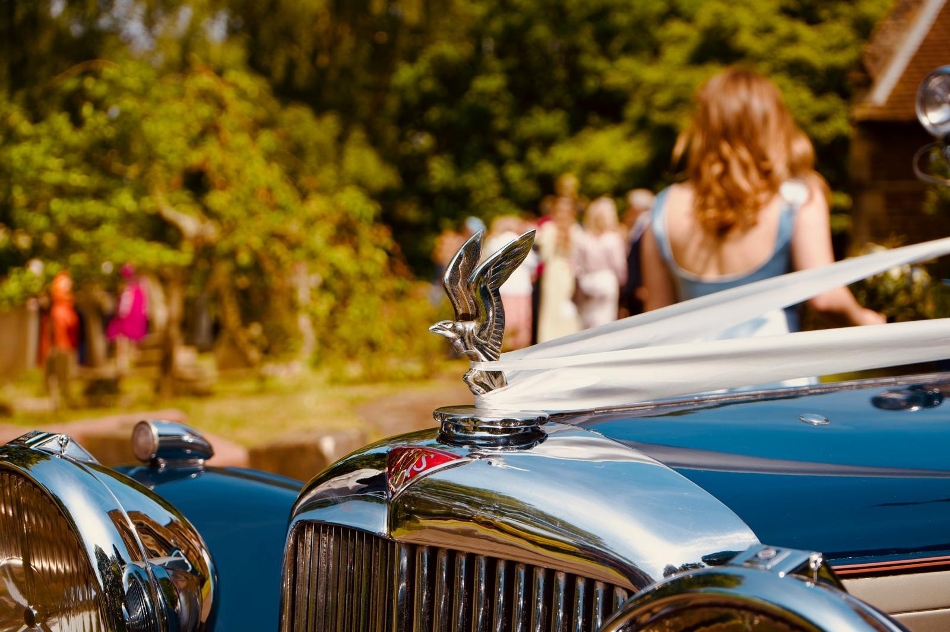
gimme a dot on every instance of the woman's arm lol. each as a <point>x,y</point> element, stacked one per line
<point>811,248</point>
<point>657,283</point>
<point>618,257</point>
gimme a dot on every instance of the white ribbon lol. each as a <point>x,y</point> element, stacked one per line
<point>647,357</point>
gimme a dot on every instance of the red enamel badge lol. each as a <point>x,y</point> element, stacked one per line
<point>405,464</point>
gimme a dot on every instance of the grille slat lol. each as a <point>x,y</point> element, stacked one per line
<point>518,623</point>
<point>402,612</point>
<point>442,592</point>
<point>300,548</point>
<point>600,603</point>
<point>538,601</point>
<point>460,593</point>
<point>499,614</point>
<point>580,603</point>
<point>423,597</point>
<point>378,602</point>
<point>559,607</point>
<point>344,580</point>
<point>480,604</point>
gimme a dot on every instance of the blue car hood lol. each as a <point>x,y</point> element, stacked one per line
<point>871,483</point>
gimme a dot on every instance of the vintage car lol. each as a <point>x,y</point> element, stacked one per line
<point>613,480</point>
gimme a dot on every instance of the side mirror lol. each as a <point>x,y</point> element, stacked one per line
<point>933,112</point>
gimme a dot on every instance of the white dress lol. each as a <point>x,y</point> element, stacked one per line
<point>557,314</point>
<point>602,269</point>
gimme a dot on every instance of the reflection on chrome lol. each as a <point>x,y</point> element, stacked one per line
<point>764,588</point>
<point>491,526</point>
<point>85,548</point>
<point>911,398</point>
<point>46,581</point>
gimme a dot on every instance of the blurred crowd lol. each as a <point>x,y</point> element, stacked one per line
<point>750,207</point>
<point>90,327</point>
<point>584,269</point>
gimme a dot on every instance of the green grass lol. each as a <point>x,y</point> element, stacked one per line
<point>243,407</point>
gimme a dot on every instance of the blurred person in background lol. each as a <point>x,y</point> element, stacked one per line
<point>601,264</point>
<point>753,207</point>
<point>130,322</point>
<point>59,337</point>
<point>635,221</point>
<point>557,243</point>
<point>516,291</point>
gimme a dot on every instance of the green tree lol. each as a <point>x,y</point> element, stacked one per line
<point>504,96</point>
<point>208,180</point>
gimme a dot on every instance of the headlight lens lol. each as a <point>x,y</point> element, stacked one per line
<point>85,548</point>
<point>46,581</point>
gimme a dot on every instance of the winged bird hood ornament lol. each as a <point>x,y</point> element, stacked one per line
<point>473,289</point>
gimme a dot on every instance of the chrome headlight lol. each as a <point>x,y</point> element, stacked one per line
<point>764,588</point>
<point>933,102</point>
<point>85,548</point>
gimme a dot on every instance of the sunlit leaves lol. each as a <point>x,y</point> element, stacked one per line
<point>198,171</point>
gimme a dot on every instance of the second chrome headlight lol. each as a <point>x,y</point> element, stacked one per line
<point>84,548</point>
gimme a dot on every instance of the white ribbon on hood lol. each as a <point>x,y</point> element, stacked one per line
<point>662,354</point>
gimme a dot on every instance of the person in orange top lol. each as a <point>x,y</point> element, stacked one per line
<point>62,312</point>
<point>60,337</point>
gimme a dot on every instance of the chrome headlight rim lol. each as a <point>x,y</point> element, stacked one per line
<point>136,592</point>
<point>933,103</point>
<point>794,588</point>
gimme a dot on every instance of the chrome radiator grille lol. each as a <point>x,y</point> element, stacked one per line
<point>343,580</point>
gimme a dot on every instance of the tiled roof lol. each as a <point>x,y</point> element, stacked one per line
<point>913,40</point>
<point>888,36</point>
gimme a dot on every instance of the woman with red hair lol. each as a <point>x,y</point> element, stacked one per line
<point>753,207</point>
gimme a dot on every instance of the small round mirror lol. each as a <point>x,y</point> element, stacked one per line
<point>933,102</point>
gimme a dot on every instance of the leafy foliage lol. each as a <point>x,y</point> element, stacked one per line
<point>491,101</point>
<point>208,175</point>
<point>264,149</point>
<point>907,292</point>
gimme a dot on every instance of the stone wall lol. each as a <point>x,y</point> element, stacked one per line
<point>18,335</point>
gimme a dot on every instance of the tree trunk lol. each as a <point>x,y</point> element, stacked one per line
<point>172,340</point>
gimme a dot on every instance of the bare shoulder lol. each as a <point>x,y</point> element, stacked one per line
<point>815,196</point>
<point>680,196</point>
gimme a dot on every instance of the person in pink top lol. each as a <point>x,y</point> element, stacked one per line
<point>130,322</point>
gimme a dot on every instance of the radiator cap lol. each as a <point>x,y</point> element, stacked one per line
<point>485,428</point>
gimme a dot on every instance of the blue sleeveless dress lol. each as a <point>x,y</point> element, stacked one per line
<point>689,285</point>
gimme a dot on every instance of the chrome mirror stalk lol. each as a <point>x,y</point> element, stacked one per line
<point>159,443</point>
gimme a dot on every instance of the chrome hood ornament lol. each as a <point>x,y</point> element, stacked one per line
<point>479,325</point>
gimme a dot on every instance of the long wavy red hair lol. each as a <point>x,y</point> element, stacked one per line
<point>740,146</point>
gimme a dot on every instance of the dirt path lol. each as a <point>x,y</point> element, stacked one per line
<point>412,409</point>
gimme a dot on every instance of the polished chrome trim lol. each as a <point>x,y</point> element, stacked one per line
<point>473,283</point>
<point>162,442</point>
<point>126,531</point>
<point>481,428</point>
<point>418,589</point>
<point>96,518</point>
<point>618,516</point>
<point>814,419</point>
<point>792,586</point>
<point>54,443</point>
<point>632,537</point>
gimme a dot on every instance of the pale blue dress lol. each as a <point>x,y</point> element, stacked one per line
<point>688,285</point>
